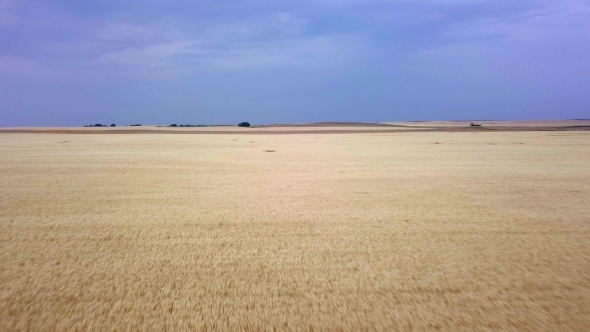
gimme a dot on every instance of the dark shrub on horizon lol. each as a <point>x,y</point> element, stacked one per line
<point>113,125</point>
<point>180,125</point>
<point>244,124</point>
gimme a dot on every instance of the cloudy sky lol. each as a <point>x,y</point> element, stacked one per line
<point>72,62</point>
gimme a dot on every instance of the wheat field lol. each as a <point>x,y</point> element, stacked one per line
<point>483,231</point>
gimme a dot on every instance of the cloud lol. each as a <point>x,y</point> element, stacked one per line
<point>228,53</point>
<point>153,53</point>
<point>538,47</point>
<point>112,50</point>
<point>160,40</point>
<point>343,53</point>
<point>7,18</point>
<point>350,3</point>
<point>318,53</point>
<point>157,40</point>
<point>152,61</point>
<point>127,32</point>
<point>17,67</point>
<point>555,21</point>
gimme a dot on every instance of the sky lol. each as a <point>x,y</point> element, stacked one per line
<point>72,62</point>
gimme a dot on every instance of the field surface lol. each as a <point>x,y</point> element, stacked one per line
<point>408,231</point>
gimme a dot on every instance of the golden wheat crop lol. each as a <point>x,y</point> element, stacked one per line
<point>483,231</point>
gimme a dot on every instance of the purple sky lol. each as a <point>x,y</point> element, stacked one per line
<point>72,62</point>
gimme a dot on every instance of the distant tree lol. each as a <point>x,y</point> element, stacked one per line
<point>113,125</point>
<point>244,124</point>
<point>174,125</point>
<point>98,125</point>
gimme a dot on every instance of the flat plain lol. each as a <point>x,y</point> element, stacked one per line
<point>409,231</point>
